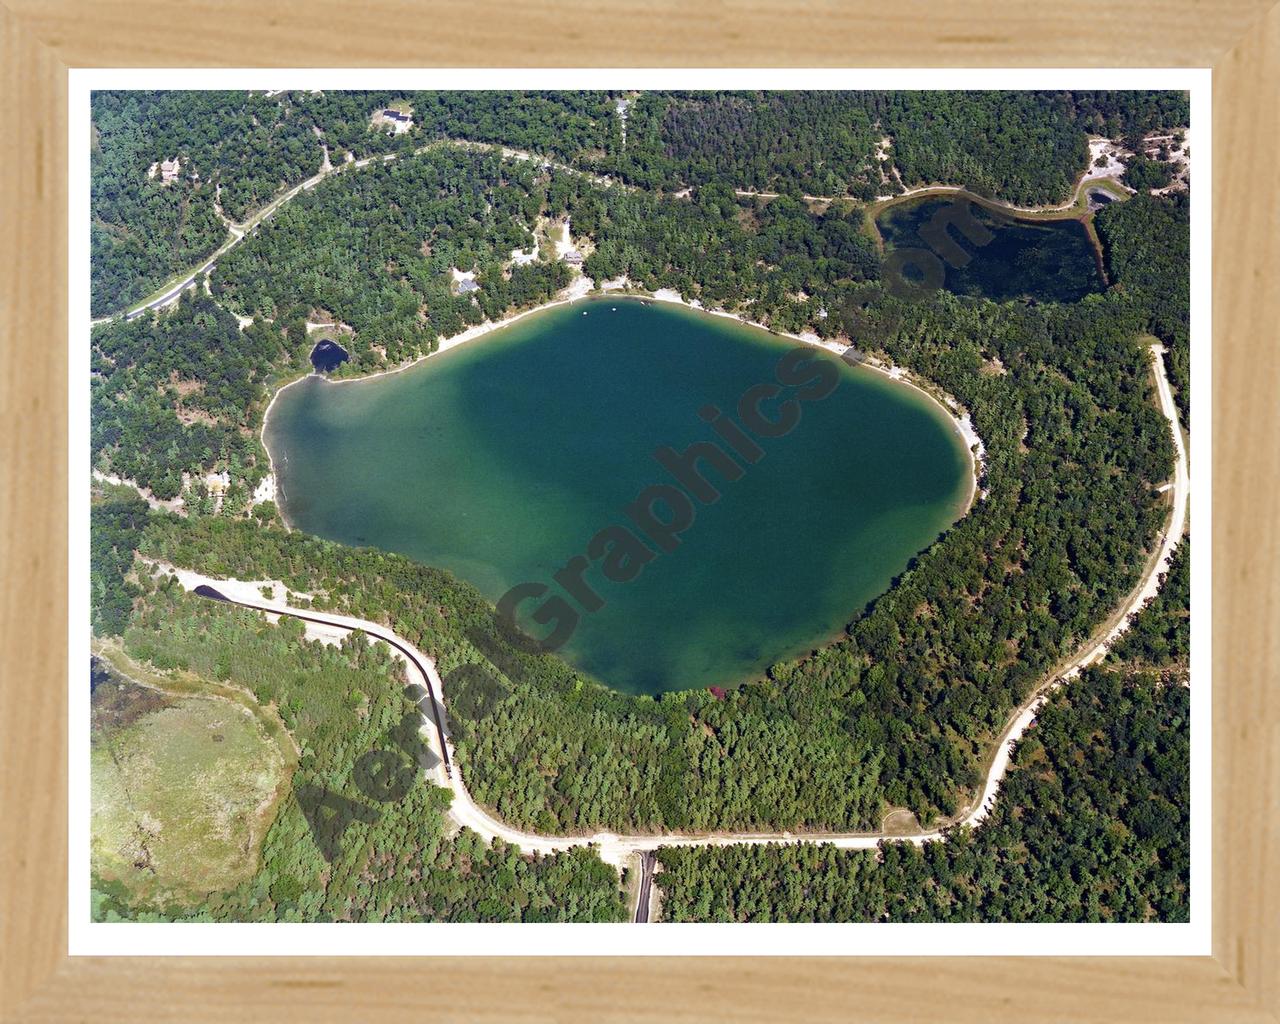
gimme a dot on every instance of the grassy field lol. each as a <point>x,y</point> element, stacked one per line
<point>554,232</point>
<point>184,787</point>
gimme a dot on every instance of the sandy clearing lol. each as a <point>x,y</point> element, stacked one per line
<point>169,504</point>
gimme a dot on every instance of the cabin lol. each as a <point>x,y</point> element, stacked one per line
<point>573,258</point>
<point>464,281</point>
<point>168,170</point>
<point>399,121</point>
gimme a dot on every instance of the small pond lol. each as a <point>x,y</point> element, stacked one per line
<point>327,356</point>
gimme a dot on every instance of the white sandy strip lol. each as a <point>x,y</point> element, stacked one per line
<point>1146,590</point>
<point>1111,170</point>
<point>265,491</point>
<point>580,287</point>
<point>583,286</point>
<point>615,849</point>
<point>168,504</point>
<point>959,419</point>
<point>463,810</point>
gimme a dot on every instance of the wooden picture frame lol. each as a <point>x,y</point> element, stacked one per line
<point>41,39</point>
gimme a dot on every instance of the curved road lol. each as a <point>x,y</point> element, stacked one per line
<point>241,231</point>
<point>238,233</point>
<point>944,190</point>
<point>617,849</point>
<point>645,890</point>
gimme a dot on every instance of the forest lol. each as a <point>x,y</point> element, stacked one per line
<point>177,394</point>
<point>1160,637</point>
<point>374,250</point>
<point>394,860</point>
<point>1092,822</point>
<point>895,714</point>
<point>1147,242</point>
<point>1101,838</point>
<point>238,150</point>
<point>1026,148</point>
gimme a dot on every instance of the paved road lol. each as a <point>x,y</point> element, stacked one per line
<point>241,231</point>
<point>1097,648</point>
<point>1084,183</point>
<point>422,670</point>
<point>647,859</point>
<point>407,652</point>
<point>616,849</point>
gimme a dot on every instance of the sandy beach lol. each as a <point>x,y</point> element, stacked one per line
<point>618,849</point>
<point>577,290</point>
<point>959,418</point>
<point>583,287</point>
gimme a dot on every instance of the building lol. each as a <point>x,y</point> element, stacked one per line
<point>400,122</point>
<point>169,171</point>
<point>464,281</point>
<point>573,258</point>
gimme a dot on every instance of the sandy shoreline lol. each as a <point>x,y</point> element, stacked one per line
<point>617,849</point>
<point>584,287</point>
<point>579,289</point>
<point>960,420</point>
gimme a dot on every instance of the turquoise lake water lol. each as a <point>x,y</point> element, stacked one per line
<point>501,459</point>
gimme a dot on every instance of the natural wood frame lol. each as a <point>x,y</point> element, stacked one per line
<point>40,39</point>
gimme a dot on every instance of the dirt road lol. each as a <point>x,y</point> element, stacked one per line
<point>616,849</point>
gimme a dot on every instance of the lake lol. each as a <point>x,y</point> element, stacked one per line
<point>1046,260</point>
<point>502,458</point>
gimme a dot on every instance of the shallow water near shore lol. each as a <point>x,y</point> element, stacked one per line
<point>500,460</point>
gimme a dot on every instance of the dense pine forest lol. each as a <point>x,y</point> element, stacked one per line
<point>896,714</point>
<point>375,250</point>
<point>340,703</point>
<point>1148,248</point>
<point>242,149</point>
<point>1092,823</point>
<point>1024,147</point>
